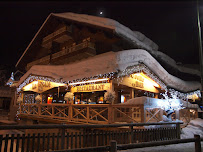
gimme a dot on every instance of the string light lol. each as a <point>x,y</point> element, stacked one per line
<point>32,78</point>
<point>118,75</point>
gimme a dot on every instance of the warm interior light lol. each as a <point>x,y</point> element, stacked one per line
<point>89,81</point>
<point>141,81</point>
<point>30,86</point>
<point>193,97</point>
<point>41,86</point>
<point>148,80</point>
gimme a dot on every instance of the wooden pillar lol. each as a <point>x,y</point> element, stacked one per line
<point>41,98</point>
<point>112,88</point>
<point>22,95</point>
<point>111,85</point>
<point>131,93</point>
<point>178,130</point>
<point>197,143</point>
<point>58,91</point>
<point>113,146</point>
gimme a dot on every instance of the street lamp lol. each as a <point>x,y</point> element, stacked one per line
<point>200,51</point>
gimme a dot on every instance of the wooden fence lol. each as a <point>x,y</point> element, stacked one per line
<point>87,113</point>
<point>84,136</point>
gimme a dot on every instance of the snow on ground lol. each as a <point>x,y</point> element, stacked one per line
<point>194,127</point>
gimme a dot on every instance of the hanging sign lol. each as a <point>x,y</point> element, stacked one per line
<point>91,87</point>
<point>41,86</point>
<point>139,81</point>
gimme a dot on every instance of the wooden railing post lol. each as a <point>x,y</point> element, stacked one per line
<point>131,134</point>
<point>110,114</point>
<point>113,146</point>
<point>178,130</point>
<point>52,110</point>
<point>88,113</point>
<point>39,109</point>
<point>197,143</point>
<point>70,112</point>
<point>63,138</point>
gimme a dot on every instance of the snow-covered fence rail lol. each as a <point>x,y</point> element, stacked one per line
<point>60,137</point>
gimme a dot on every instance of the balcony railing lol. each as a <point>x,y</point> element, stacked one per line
<point>54,34</point>
<point>65,51</point>
<point>79,113</point>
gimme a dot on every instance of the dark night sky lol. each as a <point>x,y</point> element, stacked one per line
<point>171,25</point>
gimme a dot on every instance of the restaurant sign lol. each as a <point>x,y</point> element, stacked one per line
<point>91,87</point>
<point>41,86</point>
<point>140,81</point>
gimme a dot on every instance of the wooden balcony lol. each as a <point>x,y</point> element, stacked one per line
<point>55,34</point>
<point>71,50</point>
<point>79,113</point>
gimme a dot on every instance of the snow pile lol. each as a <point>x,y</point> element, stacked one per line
<point>194,127</point>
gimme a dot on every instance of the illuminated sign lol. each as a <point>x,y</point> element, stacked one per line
<point>44,85</point>
<point>140,81</point>
<point>193,97</point>
<point>41,86</point>
<point>91,87</point>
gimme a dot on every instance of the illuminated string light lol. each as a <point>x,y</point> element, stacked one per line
<point>118,75</point>
<point>89,81</point>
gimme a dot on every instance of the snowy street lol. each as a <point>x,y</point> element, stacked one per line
<point>194,127</point>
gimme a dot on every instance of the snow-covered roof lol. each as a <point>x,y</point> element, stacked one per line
<point>110,62</point>
<point>137,38</point>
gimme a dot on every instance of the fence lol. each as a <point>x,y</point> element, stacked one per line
<point>87,113</point>
<point>113,147</point>
<point>84,136</point>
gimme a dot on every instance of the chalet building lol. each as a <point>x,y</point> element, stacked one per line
<point>89,57</point>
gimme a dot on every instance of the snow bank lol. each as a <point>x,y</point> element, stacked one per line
<point>197,122</point>
<point>194,127</point>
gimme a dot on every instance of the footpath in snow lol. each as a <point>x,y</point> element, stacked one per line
<point>194,127</point>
